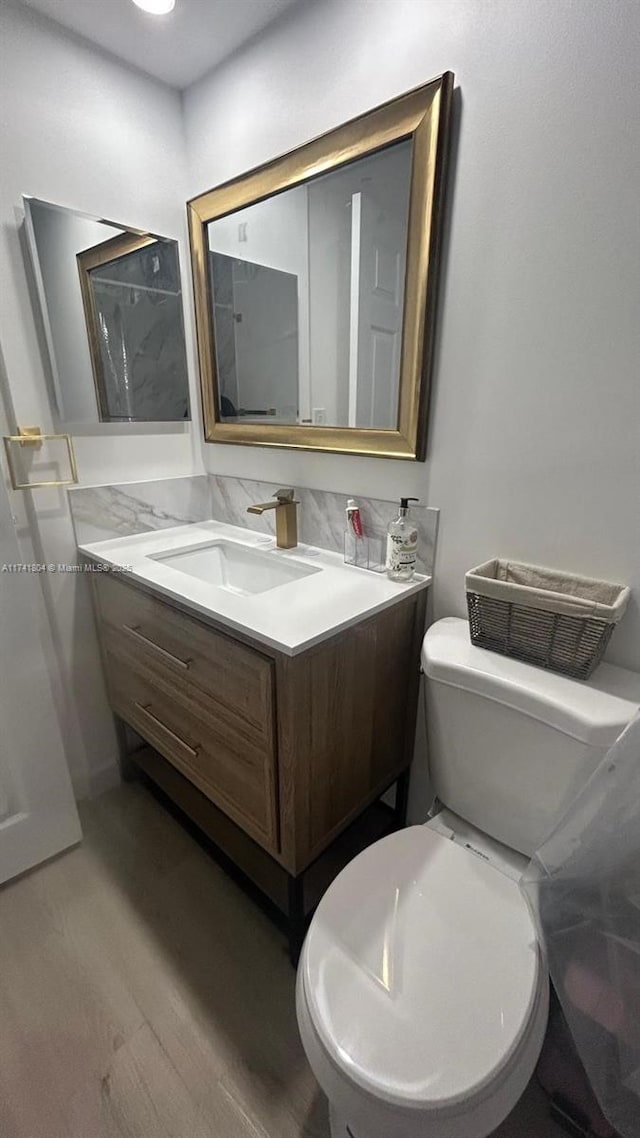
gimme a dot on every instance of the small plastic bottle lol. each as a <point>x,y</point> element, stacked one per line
<point>402,544</point>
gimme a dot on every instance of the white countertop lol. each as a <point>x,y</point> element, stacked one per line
<point>291,617</point>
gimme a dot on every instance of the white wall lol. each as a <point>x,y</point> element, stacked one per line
<point>535,421</point>
<point>384,179</point>
<point>78,129</point>
<point>274,233</point>
<point>329,296</point>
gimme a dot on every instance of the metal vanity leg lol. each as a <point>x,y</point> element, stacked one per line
<point>402,800</point>
<point>296,917</point>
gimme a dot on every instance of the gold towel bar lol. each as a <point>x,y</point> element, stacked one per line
<point>33,437</point>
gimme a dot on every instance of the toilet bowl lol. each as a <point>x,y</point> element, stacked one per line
<point>422,993</point>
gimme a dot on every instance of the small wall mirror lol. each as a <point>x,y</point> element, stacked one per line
<point>315,281</point>
<point>111,307</point>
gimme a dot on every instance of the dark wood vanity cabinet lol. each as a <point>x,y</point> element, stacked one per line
<point>273,756</point>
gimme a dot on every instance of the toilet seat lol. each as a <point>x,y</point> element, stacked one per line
<point>422,978</point>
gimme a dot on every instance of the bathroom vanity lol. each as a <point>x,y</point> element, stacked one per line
<point>276,705</point>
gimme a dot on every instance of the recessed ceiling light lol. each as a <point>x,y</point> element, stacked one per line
<point>156,7</point>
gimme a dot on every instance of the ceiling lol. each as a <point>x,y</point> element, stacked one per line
<point>179,48</point>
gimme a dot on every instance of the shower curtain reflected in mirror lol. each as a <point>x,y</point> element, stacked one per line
<point>133,309</point>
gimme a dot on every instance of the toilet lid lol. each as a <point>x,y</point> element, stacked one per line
<point>421,970</point>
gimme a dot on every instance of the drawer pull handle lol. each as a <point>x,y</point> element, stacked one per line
<point>134,631</point>
<point>146,708</point>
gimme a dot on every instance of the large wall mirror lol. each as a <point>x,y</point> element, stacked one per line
<point>315,282</point>
<point>111,316</point>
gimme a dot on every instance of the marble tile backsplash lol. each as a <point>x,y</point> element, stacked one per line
<point>101,512</point>
<point>321,514</point>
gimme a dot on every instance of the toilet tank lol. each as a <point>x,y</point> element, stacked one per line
<point>510,744</point>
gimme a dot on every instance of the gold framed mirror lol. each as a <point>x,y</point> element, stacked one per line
<point>89,262</point>
<point>315,281</point>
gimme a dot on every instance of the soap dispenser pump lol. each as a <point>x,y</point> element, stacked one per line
<point>402,544</point>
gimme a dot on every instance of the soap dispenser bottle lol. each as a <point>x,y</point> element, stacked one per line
<point>402,544</point>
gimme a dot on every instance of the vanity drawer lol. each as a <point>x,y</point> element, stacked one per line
<point>231,764</point>
<point>171,645</point>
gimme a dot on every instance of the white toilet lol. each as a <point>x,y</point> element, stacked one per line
<point>422,995</point>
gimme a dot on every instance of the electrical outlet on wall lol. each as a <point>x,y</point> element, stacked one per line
<point>319,416</point>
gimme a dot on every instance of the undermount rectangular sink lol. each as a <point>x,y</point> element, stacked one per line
<point>236,568</point>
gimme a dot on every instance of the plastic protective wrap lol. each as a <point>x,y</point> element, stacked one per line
<point>583,885</point>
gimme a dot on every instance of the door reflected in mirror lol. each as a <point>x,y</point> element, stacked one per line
<point>307,292</point>
<point>111,313</point>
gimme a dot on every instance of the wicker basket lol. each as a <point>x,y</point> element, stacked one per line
<point>546,617</point>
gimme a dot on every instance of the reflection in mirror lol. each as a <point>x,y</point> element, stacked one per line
<point>111,307</point>
<point>255,311</point>
<point>307,290</point>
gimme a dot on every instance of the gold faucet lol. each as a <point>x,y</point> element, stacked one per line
<point>284,505</point>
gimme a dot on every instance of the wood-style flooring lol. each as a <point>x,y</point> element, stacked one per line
<point>144,995</point>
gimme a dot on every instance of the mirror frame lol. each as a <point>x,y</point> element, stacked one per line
<point>118,246</point>
<point>422,115</point>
